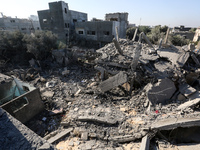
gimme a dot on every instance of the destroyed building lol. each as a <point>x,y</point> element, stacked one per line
<point>61,20</point>
<point>102,32</point>
<point>71,26</point>
<point>183,31</point>
<point>16,24</point>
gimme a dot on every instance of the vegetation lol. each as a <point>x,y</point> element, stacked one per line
<point>130,32</point>
<point>157,33</point>
<point>11,43</point>
<point>40,44</point>
<point>193,30</point>
<point>16,45</point>
<point>178,40</point>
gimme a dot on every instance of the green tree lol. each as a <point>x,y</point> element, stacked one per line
<point>11,43</point>
<point>157,33</point>
<point>178,40</point>
<point>130,32</point>
<point>193,30</point>
<point>145,29</point>
<point>40,43</point>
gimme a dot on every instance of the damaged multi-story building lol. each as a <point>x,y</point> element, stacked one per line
<point>17,24</point>
<point>60,20</point>
<point>73,26</point>
<point>102,32</point>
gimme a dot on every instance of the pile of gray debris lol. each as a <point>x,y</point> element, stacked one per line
<point>126,95</point>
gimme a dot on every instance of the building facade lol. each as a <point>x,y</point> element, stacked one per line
<point>73,26</point>
<point>60,20</point>
<point>102,32</point>
<point>16,24</point>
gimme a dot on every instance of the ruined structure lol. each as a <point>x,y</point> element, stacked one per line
<point>102,32</point>
<point>197,35</point>
<point>183,31</point>
<point>16,24</point>
<point>73,26</point>
<point>60,20</point>
<point>122,18</point>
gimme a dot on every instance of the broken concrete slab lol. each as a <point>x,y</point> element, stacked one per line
<point>15,135</point>
<point>171,123</point>
<point>188,146</point>
<point>161,91</point>
<point>48,94</point>
<point>125,138</point>
<point>195,59</point>
<point>60,135</point>
<point>105,120</point>
<point>117,46</point>
<point>145,143</point>
<point>114,81</point>
<point>194,99</point>
<point>170,54</point>
<point>186,89</point>
<point>182,59</point>
<point>136,56</point>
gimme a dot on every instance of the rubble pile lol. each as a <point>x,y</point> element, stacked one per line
<point>143,98</point>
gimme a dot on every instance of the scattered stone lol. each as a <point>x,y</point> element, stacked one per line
<point>48,94</point>
<point>84,136</point>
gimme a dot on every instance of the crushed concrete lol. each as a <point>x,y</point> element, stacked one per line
<point>112,98</point>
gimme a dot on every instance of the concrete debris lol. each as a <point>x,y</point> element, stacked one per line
<point>112,97</point>
<point>145,143</point>
<point>186,89</point>
<point>161,91</point>
<point>60,135</point>
<point>171,123</point>
<point>114,81</point>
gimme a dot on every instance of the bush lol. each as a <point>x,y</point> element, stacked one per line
<point>130,32</point>
<point>11,43</point>
<point>40,43</point>
<point>178,40</point>
<point>156,34</point>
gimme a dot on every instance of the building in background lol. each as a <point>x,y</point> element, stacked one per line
<point>73,26</point>
<point>16,24</point>
<point>60,20</point>
<point>183,31</point>
<point>102,32</point>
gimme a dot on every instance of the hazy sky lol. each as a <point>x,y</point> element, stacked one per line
<point>151,12</point>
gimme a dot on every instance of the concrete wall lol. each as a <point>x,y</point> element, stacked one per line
<point>100,31</point>
<point>60,20</point>
<point>16,24</point>
<point>122,18</point>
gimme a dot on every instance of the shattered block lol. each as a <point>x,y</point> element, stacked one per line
<point>161,91</point>
<point>114,81</point>
<point>186,89</point>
